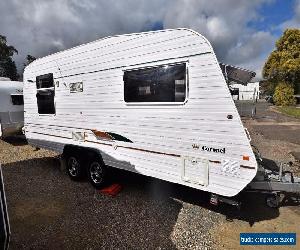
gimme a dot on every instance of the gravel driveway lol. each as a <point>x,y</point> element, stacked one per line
<point>47,210</point>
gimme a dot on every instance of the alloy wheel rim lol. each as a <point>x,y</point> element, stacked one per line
<point>73,166</point>
<point>96,172</point>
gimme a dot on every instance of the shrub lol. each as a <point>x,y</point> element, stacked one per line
<point>284,95</point>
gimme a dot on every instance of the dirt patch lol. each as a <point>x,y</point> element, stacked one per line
<point>287,133</point>
<point>273,149</point>
<point>16,149</point>
<point>228,234</point>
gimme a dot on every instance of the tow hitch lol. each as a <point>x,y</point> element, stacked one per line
<point>279,186</point>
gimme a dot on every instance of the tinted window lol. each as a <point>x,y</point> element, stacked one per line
<point>17,99</point>
<point>165,83</point>
<point>44,81</point>
<point>45,94</point>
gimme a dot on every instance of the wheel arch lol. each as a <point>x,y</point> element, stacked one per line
<point>85,153</point>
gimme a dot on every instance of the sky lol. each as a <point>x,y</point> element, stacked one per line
<point>242,32</point>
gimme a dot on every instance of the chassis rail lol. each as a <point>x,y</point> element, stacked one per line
<point>280,185</point>
<point>275,181</point>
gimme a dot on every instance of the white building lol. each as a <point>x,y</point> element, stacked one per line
<point>246,92</point>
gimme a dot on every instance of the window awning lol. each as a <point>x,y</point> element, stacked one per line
<point>236,74</point>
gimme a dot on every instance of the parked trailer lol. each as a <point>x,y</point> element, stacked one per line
<point>11,107</point>
<point>154,103</point>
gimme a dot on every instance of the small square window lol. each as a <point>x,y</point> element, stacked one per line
<point>44,81</point>
<point>17,99</point>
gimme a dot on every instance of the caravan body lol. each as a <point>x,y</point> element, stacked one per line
<point>11,107</point>
<point>155,103</point>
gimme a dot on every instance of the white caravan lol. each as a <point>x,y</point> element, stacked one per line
<point>155,103</point>
<point>11,107</point>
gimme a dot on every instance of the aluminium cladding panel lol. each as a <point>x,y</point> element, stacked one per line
<point>202,121</point>
<point>122,51</point>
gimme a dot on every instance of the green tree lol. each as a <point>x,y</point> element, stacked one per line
<point>7,65</point>
<point>284,95</point>
<point>283,64</point>
<point>29,59</point>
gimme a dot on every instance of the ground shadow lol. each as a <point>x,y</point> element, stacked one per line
<point>16,140</point>
<point>253,208</point>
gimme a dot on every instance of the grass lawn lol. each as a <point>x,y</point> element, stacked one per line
<point>292,111</point>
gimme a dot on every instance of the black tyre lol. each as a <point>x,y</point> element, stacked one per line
<point>74,167</point>
<point>97,172</point>
<point>272,201</point>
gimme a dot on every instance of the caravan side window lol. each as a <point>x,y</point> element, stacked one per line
<point>165,83</point>
<point>45,94</point>
<point>17,99</point>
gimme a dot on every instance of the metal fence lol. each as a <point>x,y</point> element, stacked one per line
<point>246,108</point>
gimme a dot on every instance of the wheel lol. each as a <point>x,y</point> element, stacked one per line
<point>74,167</point>
<point>97,173</point>
<point>272,201</point>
